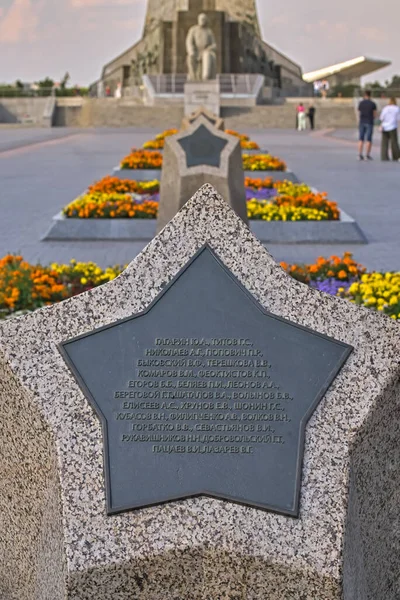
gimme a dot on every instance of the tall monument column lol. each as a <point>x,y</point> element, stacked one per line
<point>168,49</point>
<point>244,11</point>
<point>237,10</point>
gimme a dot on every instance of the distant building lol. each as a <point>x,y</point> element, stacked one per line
<point>346,73</point>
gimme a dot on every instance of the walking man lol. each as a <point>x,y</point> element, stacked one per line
<point>367,109</point>
<point>390,117</point>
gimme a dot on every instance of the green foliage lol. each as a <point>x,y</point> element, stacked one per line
<point>345,91</point>
<point>46,83</point>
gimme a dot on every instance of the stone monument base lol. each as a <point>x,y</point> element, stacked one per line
<point>202,94</point>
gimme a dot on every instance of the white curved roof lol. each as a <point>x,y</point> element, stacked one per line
<point>357,67</point>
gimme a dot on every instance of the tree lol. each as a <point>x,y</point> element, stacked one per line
<point>395,83</point>
<point>65,80</point>
<point>46,83</point>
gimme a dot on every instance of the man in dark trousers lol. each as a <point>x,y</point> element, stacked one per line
<point>367,110</point>
<point>311,116</point>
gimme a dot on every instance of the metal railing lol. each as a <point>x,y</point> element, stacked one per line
<point>230,84</point>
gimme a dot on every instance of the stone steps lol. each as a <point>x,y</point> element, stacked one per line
<point>111,112</point>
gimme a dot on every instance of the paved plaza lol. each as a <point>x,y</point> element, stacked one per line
<point>41,170</point>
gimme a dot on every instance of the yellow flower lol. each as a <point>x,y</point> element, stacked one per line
<point>84,280</point>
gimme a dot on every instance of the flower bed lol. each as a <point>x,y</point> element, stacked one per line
<point>111,206</point>
<point>345,278</point>
<point>264,189</point>
<point>25,287</point>
<point>309,208</point>
<point>159,141</point>
<point>111,185</point>
<point>142,159</point>
<point>262,162</point>
<point>268,200</point>
<point>342,269</point>
<point>286,201</point>
<point>152,159</point>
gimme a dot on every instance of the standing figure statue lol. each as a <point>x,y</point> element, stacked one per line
<point>201,51</point>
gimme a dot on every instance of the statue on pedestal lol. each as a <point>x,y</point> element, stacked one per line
<point>201,51</point>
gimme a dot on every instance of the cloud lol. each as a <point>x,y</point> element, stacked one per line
<point>281,19</point>
<point>19,22</point>
<point>328,29</point>
<point>373,34</point>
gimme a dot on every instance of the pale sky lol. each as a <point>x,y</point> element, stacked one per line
<point>49,37</point>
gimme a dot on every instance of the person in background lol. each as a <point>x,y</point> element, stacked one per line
<point>108,91</point>
<point>301,117</point>
<point>118,90</point>
<point>367,110</point>
<point>390,117</point>
<point>311,115</point>
<point>324,88</point>
<point>317,88</point>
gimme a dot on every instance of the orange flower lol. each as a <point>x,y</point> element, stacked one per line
<point>342,274</point>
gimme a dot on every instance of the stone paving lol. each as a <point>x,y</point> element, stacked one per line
<point>42,170</point>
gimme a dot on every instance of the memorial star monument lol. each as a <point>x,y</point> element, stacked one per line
<point>198,155</point>
<point>138,417</point>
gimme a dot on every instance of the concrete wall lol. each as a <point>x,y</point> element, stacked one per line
<point>110,112</point>
<point>20,110</point>
<point>284,117</point>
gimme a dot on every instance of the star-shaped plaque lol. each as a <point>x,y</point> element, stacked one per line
<point>204,393</point>
<point>202,147</point>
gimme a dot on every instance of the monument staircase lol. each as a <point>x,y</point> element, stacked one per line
<point>126,112</point>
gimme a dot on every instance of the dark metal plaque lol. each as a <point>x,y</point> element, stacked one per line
<point>202,148</point>
<point>204,393</point>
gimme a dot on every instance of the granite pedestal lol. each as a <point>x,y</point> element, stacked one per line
<point>346,230</point>
<point>58,540</point>
<point>202,93</point>
<point>200,155</point>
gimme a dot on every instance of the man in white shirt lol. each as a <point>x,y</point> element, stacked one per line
<point>390,117</point>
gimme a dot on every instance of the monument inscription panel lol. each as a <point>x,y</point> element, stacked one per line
<point>202,148</point>
<point>204,393</point>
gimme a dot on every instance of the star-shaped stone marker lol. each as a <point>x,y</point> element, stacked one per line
<point>204,393</point>
<point>202,147</point>
<point>213,119</point>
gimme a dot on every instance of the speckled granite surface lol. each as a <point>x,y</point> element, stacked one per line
<point>56,541</point>
<point>203,112</point>
<point>179,182</point>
